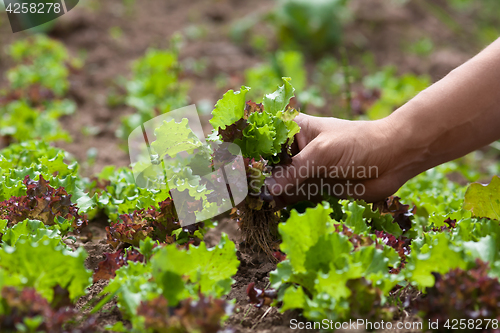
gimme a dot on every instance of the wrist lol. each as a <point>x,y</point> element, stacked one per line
<point>402,142</point>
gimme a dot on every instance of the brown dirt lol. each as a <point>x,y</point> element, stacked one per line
<point>93,239</point>
<point>108,315</point>
<point>247,318</point>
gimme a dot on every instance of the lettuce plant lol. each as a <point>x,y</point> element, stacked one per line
<point>264,132</point>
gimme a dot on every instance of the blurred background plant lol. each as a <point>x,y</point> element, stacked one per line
<point>312,26</point>
<point>33,102</point>
<point>155,87</point>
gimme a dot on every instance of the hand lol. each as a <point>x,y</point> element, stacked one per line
<point>346,158</point>
<point>370,160</point>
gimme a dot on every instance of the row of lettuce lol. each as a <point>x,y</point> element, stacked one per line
<point>45,202</point>
<point>348,262</point>
<point>344,259</point>
<point>42,274</point>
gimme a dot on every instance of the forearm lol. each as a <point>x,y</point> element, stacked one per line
<point>453,117</point>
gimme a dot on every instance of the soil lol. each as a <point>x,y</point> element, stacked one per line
<point>379,28</point>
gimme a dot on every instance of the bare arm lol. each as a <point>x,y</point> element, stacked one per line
<point>454,116</point>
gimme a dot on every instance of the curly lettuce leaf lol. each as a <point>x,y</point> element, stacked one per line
<point>35,158</point>
<point>278,100</point>
<point>263,136</point>
<point>30,230</point>
<point>208,271</point>
<point>132,285</point>
<point>39,155</point>
<point>432,253</point>
<point>229,109</point>
<point>269,127</point>
<point>43,266</point>
<point>330,267</point>
<point>173,138</point>
<point>177,273</point>
<point>117,193</point>
<point>303,231</point>
<point>23,122</point>
<point>44,203</point>
<point>354,216</point>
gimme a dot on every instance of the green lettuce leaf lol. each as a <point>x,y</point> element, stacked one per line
<point>229,109</point>
<point>31,230</point>
<point>43,266</point>
<point>354,219</point>
<point>176,273</point>
<point>132,285</point>
<point>278,100</point>
<point>208,271</point>
<point>173,138</point>
<point>432,253</point>
<point>325,259</point>
<point>268,130</point>
<point>303,231</point>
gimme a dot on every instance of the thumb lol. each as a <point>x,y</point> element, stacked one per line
<point>292,175</point>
